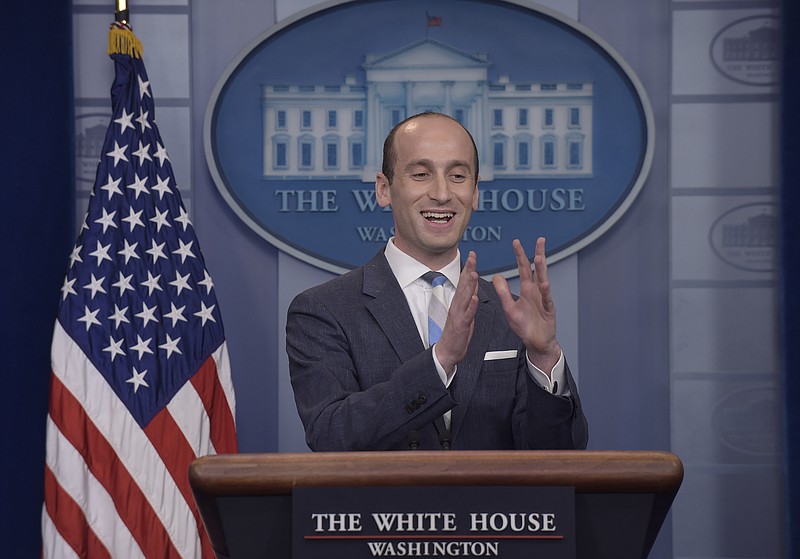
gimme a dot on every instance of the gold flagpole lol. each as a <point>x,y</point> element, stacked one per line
<point>121,14</point>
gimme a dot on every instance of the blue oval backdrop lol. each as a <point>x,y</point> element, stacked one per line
<point>295,127</point>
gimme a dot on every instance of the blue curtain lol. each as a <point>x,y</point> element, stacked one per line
<point>790,263</point>
<point>36,162</point>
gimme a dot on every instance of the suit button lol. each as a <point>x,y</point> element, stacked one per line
<point>409,409</point>
<point>415,404</point>
<point>422,398</point>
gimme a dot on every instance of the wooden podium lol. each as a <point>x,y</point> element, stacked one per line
<point>621,497</point>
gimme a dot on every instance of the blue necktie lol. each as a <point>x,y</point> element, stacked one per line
<point>437,307</point>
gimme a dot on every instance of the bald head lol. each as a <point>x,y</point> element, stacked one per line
<point>390,153</point>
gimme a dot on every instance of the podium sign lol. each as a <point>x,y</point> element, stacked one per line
<point>442,521</point>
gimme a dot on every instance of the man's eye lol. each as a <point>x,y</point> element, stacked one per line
<point>458,178</point>
<point>420,175</point>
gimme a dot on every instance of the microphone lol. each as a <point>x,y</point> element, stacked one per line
<point>444,440</point>
<point>444,433</point>
<point>413,439</point>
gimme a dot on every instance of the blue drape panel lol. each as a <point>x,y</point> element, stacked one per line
<point>36,232</point>
<point>790,262</point>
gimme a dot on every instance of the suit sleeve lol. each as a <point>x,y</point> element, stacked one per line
<point>351,396</point>
<point>554,422</point>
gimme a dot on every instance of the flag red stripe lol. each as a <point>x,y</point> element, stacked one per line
<point>223,429</point>
<point>176,453</point>
<point>69,520</point>
<point>131,504</point>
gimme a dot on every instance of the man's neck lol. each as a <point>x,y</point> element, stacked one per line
<point>407,268</point>
<point>431,261</point>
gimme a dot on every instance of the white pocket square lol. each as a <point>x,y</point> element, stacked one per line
<point>505,354</point>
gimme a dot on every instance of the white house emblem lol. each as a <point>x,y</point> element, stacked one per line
<point>295,127</point>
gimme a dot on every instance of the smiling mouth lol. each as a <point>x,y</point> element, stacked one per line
<point>438,217</point>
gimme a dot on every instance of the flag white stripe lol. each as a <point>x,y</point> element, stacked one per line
<point>75,479</point>
<point>224,373</point>
<point>55,547</point>
<point>127,439</point>
<point>190,415</point>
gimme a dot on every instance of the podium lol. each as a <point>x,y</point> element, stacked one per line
<point>621,497</point>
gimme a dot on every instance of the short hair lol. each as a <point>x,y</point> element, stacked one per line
<point>390,154</point>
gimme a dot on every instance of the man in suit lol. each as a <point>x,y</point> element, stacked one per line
<point>364,374</point>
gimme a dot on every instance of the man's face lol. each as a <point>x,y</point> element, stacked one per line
<point>434,188</point>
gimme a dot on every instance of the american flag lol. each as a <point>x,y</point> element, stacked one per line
<point>433,21</point>
<point>140,382</point>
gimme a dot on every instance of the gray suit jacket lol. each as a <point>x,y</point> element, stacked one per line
<point>363,380</point>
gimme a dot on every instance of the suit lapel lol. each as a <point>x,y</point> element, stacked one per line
<point>390,309</point>
<point>469,369</point>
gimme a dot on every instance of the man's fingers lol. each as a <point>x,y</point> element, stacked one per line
<point>503,291</point>
<point>467,283</point>
<point>523,264</point>
<point>540,262</point>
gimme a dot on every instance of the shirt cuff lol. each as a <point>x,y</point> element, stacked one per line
<point>446,380</point>
<point>555,382</point>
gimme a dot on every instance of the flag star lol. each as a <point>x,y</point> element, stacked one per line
<point>75,256</point>
<point>148,314</point>
<point>207,282</point>
<point>161,154</point>
<point>138,185</point>
<point>119,316</point>
<point>118,153</point>
<point>185,250</point>
<point>162,186</point>
<point>129,251</point>
<point>160,219</point>
<point>86,218</point>
<point>184,218</point>
<point>152,283</point>
<point>114,347</point>
<point>142,346</point>
<point>95,285</point>
<point>143,153</point>
<point>181,282</point>
<point>144,87</point>
<point>142,120</point>
<point>137,380</point>
<point>66,289</point>
<point>112,187</point>
<point>156,251</point>
<point>101,253</point>
<point>176,314</point>
<point>205,313</point>
<point>89,317</point>
<point>134,219</point>
<point>171,346</point>
<point>107,220</point>
<point>123,284</point>
<point>124,121</point>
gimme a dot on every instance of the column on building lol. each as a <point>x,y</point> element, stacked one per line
<point>372,142</point>
<point>482,128</point>
<point>408,87</point>
<point>447,86</point>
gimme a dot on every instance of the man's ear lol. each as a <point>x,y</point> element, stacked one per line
<point>475,196</point>
<point>383,194</point>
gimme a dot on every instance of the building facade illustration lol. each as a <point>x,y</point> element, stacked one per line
<point>758,44</point>
<point>522,130</point>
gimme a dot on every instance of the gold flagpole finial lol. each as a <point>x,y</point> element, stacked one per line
<point>121,14</point>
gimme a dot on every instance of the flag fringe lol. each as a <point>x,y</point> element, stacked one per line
<point>121,40</point>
